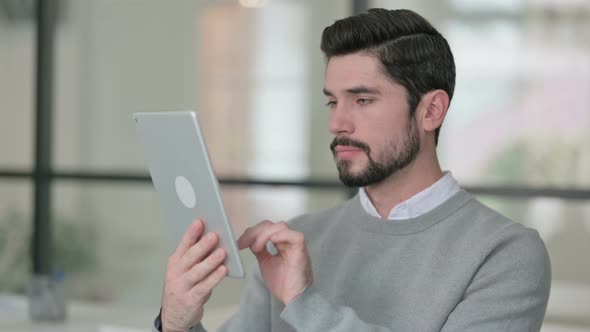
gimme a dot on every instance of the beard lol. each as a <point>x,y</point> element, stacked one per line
<point>393,158</point>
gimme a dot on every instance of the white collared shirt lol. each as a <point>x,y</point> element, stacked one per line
<point>418,204</point>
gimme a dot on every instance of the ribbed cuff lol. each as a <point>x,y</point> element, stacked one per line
<point>309,312</point>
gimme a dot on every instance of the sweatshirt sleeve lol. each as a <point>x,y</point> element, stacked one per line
<point>510,290</point>
<point>310,312</point>
<point>197,328</point>
<point>254,311</point>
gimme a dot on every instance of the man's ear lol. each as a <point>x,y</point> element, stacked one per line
<point>434,109</point>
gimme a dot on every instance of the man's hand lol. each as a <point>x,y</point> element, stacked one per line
<point>288,273</point>
<point>193,270</point>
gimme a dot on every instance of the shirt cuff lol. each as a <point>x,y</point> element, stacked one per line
<point>158,323</point>
<point>197,328</point>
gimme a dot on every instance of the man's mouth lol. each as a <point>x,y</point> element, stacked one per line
<point>347,151</point>
<point>346,148</point>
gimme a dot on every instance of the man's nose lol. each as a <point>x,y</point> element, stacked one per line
<point>340,121</point>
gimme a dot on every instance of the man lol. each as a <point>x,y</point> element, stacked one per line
<point>412,251</point>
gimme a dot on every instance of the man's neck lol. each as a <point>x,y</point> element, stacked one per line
<point>404,184</point>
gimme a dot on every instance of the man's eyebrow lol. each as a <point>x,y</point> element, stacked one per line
<point>361,89</point>
<point>357,90</point>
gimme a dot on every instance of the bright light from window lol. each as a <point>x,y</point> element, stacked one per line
<point>253,3</point>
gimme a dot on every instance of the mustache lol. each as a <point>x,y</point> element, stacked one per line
<point>347,141</point>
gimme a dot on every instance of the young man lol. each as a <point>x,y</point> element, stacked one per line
<point>412,251</point>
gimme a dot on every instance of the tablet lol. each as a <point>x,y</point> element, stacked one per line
<point>182,174</point>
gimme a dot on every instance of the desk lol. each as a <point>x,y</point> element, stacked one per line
<point>568,311</point>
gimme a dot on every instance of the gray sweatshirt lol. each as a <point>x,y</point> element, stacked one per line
<point>459,267</point>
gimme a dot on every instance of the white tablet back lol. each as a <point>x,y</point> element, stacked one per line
<point>182,174</point>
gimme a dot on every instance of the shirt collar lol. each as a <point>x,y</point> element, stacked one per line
<point>419,204</point>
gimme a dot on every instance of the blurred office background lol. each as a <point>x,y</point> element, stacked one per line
<point>517,135</point>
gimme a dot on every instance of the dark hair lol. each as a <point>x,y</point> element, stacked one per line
<point>413,53</point>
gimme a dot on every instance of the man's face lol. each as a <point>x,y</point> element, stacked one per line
<point>375,135</point>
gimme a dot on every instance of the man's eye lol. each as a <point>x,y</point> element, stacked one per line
<point>364,101</point>
<point>331,103</point>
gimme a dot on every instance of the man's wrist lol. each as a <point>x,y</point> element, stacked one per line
<point>293,297</point>
<point>159,327</point>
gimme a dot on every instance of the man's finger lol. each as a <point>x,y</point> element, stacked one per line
<point>292,242</point>
<point>287,237</point>
<point>201,270</point>
<point>189,238</point>
<point>252,233</point>
<point>264,236</point>
<point>199,251</point>
<point>205,287</point>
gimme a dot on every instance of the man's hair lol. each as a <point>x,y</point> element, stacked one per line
<point>412,52</point>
